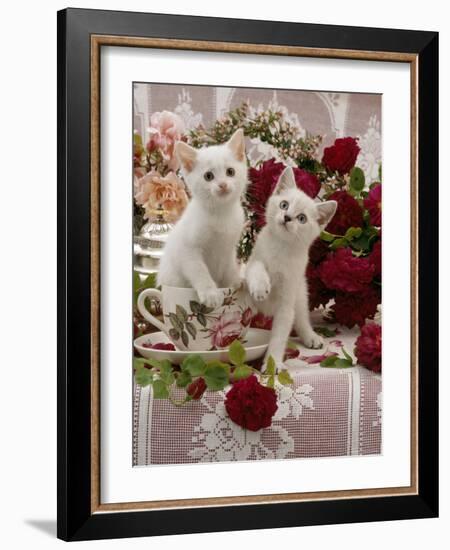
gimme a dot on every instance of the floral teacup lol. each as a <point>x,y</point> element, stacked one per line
<point>191,325</point>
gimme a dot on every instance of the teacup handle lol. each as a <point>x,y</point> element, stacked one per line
<point>150,293</point>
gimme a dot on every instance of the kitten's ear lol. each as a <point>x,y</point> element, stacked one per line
<point>237,145</point>
<point>326,211</point>
<point>186,154</point>
<point>285,181</point>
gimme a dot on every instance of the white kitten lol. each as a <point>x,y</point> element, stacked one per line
<point>200,252</point>
<point>275,273</point>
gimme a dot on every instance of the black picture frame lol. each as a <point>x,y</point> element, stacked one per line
<point>76,521</point>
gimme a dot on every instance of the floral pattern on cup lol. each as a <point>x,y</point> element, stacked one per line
<point>221,325</point>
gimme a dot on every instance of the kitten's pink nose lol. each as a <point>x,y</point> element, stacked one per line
<point>223,186</point>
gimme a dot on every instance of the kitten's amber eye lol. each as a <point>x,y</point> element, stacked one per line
<point>230,172</point>
<point>284,205</point>
<point>302,218</point>
<point>209,176</point>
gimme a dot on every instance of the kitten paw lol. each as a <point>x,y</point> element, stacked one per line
<point>260,289</point>
<point>211,297</point>
<point>313,340</point>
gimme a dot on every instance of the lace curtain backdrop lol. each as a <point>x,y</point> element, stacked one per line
<point>330,114</point>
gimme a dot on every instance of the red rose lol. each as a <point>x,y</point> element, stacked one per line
<point>368,347</point>
<point>261,321</point>
<point>341,156</point>
<point>350,309</point>
<point>251,405</point>
<point>373,204</point>
<point>318,293</point>
<point>196,388</point>
<point>291,353</point>
<point>247,316</point>
<point>375,258</point>
<point>348,213</point>
<point>343,271</point>
<point>263,181</point>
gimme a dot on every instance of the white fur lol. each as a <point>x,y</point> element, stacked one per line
<point>200,252</point>
<point>275,273</point>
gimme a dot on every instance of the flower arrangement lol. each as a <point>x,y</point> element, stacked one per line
<point>344,271</point>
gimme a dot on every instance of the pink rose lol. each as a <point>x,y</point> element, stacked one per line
<point>247,316</point>
<point>227,329</point>
<point>168,192</point>
<point>165,129</point>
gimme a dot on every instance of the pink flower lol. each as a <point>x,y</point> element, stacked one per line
<point>247,316</point>
<point>373,204</point>
<point>227,329</point>
<point>261,321</point>
<point>154,191</point>
<point>314,359</point>
<point>165,129</point>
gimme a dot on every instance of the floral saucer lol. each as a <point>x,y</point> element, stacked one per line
<point>256,342</point>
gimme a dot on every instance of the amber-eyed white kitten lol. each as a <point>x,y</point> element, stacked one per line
<point>200,252</point>
<point>275,273</point>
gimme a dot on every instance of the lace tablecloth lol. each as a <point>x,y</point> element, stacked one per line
<point>327,412</point>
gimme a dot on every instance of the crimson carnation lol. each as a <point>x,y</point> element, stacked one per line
<point>318,250</point>
<point>341,156</point>
<point>251,405</point>
<point>348,213</point>
<point>350,309</point>
<point>368,347</point>
<point>375,258</point>
<point>263,181</point>
<point>345,272</point>
<point>318,293</point>
<point>373,204</point>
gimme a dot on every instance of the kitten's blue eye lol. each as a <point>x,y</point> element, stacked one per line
<point>209,176</point>
<point>284,205</point>
<point>302,218</point>
<point>230,172</point>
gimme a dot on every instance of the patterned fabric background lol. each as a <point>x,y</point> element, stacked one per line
<point>329,114</point>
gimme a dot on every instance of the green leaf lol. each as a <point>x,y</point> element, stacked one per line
<point>201,319</point>
<point>190,327</point>
<point>141,361</point>
<point>181,313</point>
<point>327,237</point>
<point>271,366</point>
<point>339,243</point>
<point>380,172</point>
<point>216,377</point>
<point>183,379</point>
<point>236,353</point>
<point>325,331</point>
<point>194,365</point>
<point>329,361</point>
<point>241,372</point>
<point>271,381</point>
<point>174,334</point>
<point>343,363</point>
<point>184,338</point>
<point>176,322</point>
<point>352,233</point>
<point>150,281</point>
<point>195,306</point>
<point>136,281</point>
<point>160,390</point>
<point>285,378</point>
<point>143,377</point>
<point>292,345</point>
<point>357,179</point>
<point>347,356</point>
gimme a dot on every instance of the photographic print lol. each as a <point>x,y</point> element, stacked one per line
<point>257,280</point>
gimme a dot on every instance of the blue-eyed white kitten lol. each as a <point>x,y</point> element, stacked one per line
<point>200,252</point>
<point>276,269</point>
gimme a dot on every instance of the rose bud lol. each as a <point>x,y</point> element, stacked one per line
<point>196,388</point>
